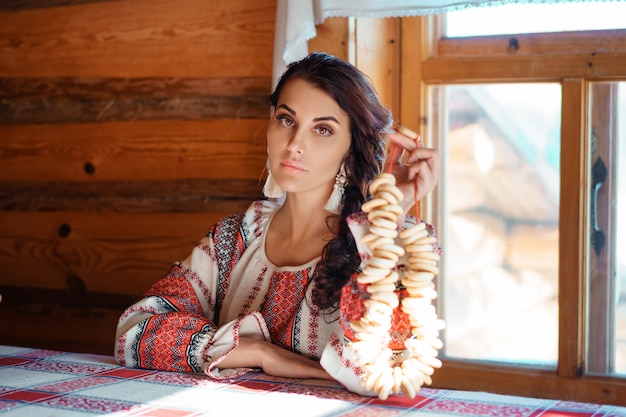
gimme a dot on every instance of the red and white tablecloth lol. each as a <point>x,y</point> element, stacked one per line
<point>43,383</point>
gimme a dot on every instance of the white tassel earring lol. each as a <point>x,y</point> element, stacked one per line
<point>334,202</point>
<point>271,189</point>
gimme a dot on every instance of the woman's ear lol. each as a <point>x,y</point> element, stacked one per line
<point>348,162</point>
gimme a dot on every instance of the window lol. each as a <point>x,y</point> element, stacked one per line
<point>531,128</point>
<point>499,221</point>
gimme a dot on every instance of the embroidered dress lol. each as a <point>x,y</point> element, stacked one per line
<point>226,289</point>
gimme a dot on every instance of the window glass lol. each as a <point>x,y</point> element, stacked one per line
<point>536,18</point>
<point>498,219</point>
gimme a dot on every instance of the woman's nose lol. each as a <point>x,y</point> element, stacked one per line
<point>296,143</point>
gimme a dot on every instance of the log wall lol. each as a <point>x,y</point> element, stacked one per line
<point>126,129</point>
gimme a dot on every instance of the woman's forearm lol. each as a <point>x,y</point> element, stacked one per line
<point>274,360</point>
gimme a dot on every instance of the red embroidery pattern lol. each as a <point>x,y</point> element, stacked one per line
<point>119,353</point>
<point>138,309</point>
<point>352,297</point>
<point>400,325</point>
<point>245,309</point>
<point>337,346</point>
<point>207,249</point>
<point>281,305</point>
<point>229,244</point>
<point>313,331</point>
<point>258,218</point>
<point>206,292</point>
<point>166,338</point>
<point>351,305</point>
<point>177,290</point>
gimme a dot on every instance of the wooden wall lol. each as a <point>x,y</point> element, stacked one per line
<point>126,129</point>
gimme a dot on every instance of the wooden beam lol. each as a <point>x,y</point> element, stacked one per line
<point>160,38</point>
<point>75,321</point>
<point>138,150</point>
<point>411,94</point>
<point>16,5</point>
<point>71,298</point>
<point>529,382</point>
<point>558,43</point>
<point>378,56</point>
<point>110,88</point>
<point>53,111</point>
<point>603,287</point>
<point>573,236</point>
<point>102,252</point>
<point>70,329</point>
<point>175,195</point>
<point>332,37</point>
<point>527,68</point>
<point>84,100</point>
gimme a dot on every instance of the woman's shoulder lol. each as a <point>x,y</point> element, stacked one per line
<point>250,222</point>
<point>259,213</point>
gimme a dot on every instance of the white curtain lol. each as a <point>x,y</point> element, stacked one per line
<point>296,19</point>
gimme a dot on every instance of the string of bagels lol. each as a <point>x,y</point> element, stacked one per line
<point>409,262</point>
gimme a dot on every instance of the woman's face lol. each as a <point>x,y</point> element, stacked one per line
<point>308,137</point>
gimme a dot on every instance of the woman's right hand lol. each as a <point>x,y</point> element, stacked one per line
<point>273,360</point>
<point>418,172</point>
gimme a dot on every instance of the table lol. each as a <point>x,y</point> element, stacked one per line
<point>45,383</point>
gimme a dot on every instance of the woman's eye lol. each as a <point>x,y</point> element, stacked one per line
<point>284,120</point>
<point>324,131</point>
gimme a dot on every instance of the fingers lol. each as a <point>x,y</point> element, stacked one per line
<point>403,137</point>
<point>410,145</point>
<point>423,165</point>
<point>405,141</point>
<point>429,156</point>
<point>425,177</point>
<point>412,149</point>
<point>415,166</point>
<point>407,132</point>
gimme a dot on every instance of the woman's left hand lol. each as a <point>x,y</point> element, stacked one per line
<point>417,171</point>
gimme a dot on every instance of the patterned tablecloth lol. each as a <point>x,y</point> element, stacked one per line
<point>42,383</point>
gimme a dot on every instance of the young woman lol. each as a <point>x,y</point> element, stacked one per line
<point>263,288</point>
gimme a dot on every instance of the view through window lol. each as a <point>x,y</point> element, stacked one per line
<point>501,223</point>
<point>500,201</point>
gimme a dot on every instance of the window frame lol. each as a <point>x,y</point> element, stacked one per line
<point>602,258</point>
<point>402,57</point>
<point>573,59</point>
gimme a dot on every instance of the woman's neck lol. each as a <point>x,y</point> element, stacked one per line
<point>298,232</point>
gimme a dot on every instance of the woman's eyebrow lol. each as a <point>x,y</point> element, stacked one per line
<point>286,107</point>
<point>331,118</point>
<point>317,119</point>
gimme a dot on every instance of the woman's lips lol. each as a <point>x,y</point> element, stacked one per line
<point>292,166</point>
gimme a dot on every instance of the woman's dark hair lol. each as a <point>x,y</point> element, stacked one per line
<point>354,93</point>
